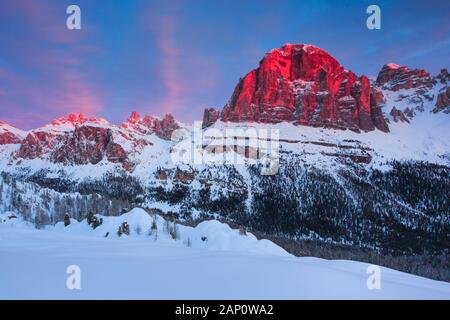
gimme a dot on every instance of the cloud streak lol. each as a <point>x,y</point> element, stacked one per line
<point>169,73</point>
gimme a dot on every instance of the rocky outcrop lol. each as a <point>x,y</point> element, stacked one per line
<point>39,144</point>
<point>443,98</point>
<point>9,134</point>
<point>395,78</point>
<point>376,102</point>
<point>305,85</point>
<point>166,127</point>
<point>57,140</point>
<point>90,145</point>
<point>9,138</point>
<point>398,115</point>
<point>163,128</point>
<point>87,144</point>
<point>210,115</point>
<point>77,140</point>
<point>443,101</point>
<point>443,76</point>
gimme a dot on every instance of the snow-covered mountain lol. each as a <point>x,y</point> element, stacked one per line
<point>362,162</point>
<point>77,140</point>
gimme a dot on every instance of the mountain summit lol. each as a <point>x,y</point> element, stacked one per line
<point>305,85</point>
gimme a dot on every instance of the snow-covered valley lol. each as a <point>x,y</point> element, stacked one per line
<point>226,265</point>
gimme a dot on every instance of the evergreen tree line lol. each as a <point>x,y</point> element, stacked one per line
<point>46,206</point>
<point>400,211</point>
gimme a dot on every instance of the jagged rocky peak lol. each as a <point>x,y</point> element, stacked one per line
<point>414,89</point>
<point>65,138</point>
<point>395,77</point>
<point>143,125</point>
<point>163,128</point>
<point>75,119</point>
<point>72,118</point>
<point>305,85</point>
<point>78,140</point>
<point>134,117</point>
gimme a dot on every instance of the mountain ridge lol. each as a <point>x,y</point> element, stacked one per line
<point>391,76</point>
<point>298,84</point>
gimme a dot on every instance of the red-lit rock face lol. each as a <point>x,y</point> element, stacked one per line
<point>90,145</point>
<point>57,140</point>
<point>9,138</point>
<point>85,145</point>
<point>305,85</point>
<point>76,140</point>
<point>9,134</point>
<point>38,144</point>
<point>167,126</point>
<point>376,101</point>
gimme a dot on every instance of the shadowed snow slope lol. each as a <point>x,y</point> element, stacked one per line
<point>34,264</point>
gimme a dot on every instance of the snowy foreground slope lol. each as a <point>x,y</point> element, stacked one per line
<point>227,265</point>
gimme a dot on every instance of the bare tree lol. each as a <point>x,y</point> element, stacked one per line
<point>174,232</point>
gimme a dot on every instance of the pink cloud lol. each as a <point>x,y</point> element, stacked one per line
<point>165,39</point>
<point>182,78</point>
<point>76,96</point>
<point>65,89</point>
<point>67,92</point>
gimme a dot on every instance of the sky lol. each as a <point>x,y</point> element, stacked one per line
<point>179,57</point>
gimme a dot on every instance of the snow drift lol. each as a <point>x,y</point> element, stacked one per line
<point>228,265</point>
